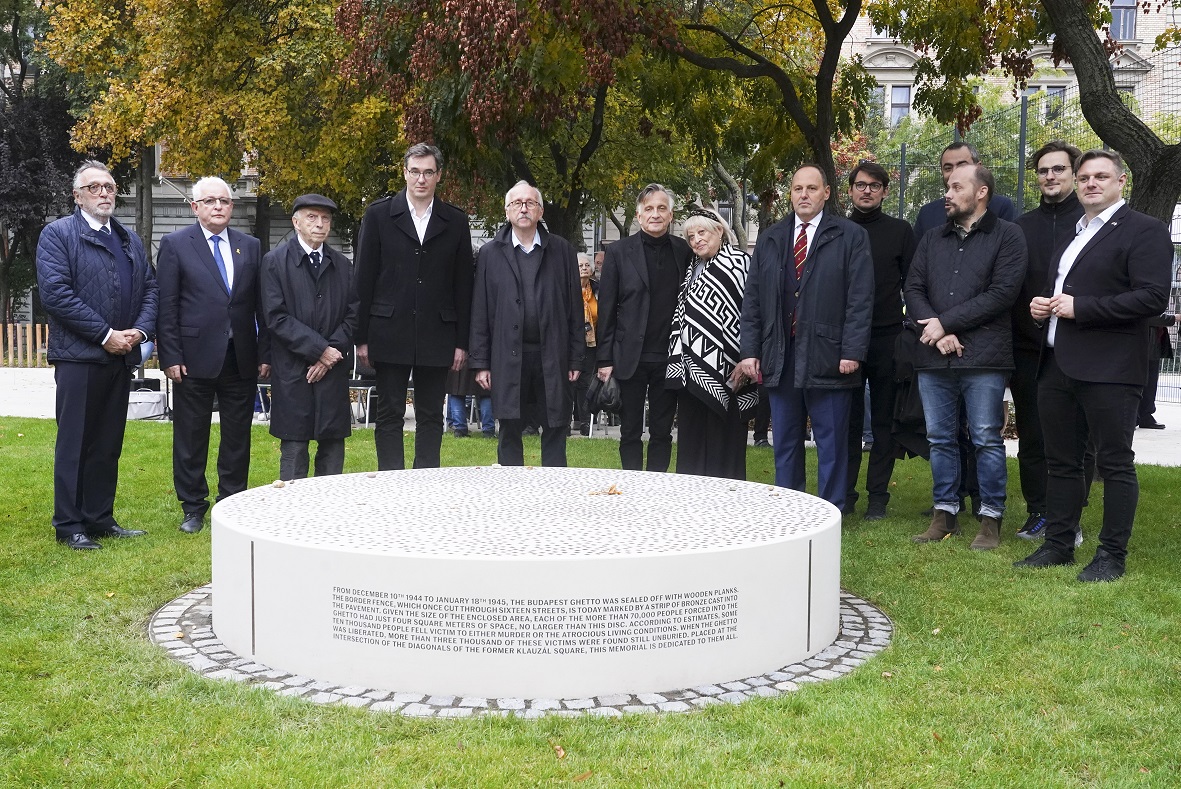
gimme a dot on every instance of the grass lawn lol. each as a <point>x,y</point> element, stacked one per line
<point>995,677</point>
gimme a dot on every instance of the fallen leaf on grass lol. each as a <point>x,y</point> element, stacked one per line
<point>935,632</point>
<point>583,776</point>
<point>937,668</point>
<point>935,734</point>
<point>459,746</point>
<point>886,675</point>
<point>559,751</point>
<point>110,594</point>
<point>1145,770</point>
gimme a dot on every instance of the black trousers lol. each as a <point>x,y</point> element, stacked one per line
<point>1031,446</point>
<point>646,384</point>
<point>762,420</point>
<point>192,413</point>
<point>1147,405</point>
<point>293,458</point>
<point>510,450</point>
<point>709,444</point>
<point>430,384</point>
<point>878,372</point>
<point>1070,410</point>
<point>91,420</point>
<point>578,389</point>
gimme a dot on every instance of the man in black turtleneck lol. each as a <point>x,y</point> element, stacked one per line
<point>637,297</point>
<point>1047,227</point>
<point>891,243</point>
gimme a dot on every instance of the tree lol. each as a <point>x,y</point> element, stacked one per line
<point>36,161</point>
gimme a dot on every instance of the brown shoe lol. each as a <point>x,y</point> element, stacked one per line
<point>943,525</point>
<point>989,537</point>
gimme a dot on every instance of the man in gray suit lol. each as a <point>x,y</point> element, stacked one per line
<point>637,296</point>
<point>210,311</point>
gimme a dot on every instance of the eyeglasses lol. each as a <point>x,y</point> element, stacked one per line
<point>868,186</point>
<point>1057,169</point>
<point>517,205</point>
<point>210,202</point>
<point>96,189</point>
<point>419,174</point>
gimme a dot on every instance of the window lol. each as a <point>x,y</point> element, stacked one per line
<point>899,103</point>
<point>1123,20</point>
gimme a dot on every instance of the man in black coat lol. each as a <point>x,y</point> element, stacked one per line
<point>1046,228</point>
<point>806,318</point>
<point>100,293</point>
<point>414,278</point>
<point>891,243</point>
<point>210,308</point>
<point>527,338</point>
<point>638,289</point>
<point>962,282</point>
<point>311,315</point>
<point>1100,294</point>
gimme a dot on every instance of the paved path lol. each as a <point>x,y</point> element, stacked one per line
<point>30,392</point>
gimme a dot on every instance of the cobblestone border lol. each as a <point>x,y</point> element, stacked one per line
<point>183,628</point>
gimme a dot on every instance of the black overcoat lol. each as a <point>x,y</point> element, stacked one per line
<point>415,296</point>
<point>305,315</point>
<point>497,316</point>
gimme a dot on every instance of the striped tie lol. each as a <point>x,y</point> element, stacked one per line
<point>800,251</point>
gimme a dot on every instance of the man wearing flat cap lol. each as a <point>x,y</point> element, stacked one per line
<point>311,312</point>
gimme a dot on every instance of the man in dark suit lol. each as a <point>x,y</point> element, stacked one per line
<point>806,319</point>
<point>100,294</point>
<point>414,278</point>
<point>637,297</point>
<point>527,327</point>
<point>1102,290</point>
<point>210,309</point>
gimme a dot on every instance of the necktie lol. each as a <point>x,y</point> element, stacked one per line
<point>220,261</point>
<point>106,230</point>
<point>314,257</point>
<point>800,251</point>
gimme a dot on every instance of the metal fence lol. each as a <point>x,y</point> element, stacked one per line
<point>1005,139</point>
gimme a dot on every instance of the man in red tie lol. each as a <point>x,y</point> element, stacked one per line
<point>806,320</point>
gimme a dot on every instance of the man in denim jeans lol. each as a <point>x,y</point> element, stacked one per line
<point>964,278</point>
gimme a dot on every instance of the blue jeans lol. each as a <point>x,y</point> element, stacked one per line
<point>457,411</point>
<point>983,393</point>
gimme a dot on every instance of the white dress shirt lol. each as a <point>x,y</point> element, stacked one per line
<point>531,245</point>
<point>810,231</point>
<point>420,223</point>
<point>1084,232</point>
<point>227,254</point>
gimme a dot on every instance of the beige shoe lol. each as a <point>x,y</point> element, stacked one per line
<point>943,525</point>
<point>989,537</point>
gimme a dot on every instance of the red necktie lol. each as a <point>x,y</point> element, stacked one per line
<point>801,254</point>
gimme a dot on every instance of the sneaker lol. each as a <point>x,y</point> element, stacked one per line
<point>1034,528</point>
<point>1104,567</point>
<point>1046,556</point>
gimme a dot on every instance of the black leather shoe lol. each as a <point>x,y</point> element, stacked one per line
<point>1104,567</point>
<point>116,531</point>
<point>192,524</point>
<point>1047,556</point>
<point>875,512</point>
<point>80,542</point>
<point>1151,424</point>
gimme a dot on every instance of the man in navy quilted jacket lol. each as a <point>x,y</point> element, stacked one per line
<point>100,293</point>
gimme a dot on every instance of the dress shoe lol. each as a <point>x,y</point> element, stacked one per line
<point>1104,567</point>
<point>80,542</point>
<point>192,524</point>
<point>1046,556</point>
<point>1151,424</point>
<point>115,531</point>
<point>875,512</point>
<point>762,442</point>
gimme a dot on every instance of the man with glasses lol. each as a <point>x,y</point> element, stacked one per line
<point>414,277</point>
<point>638,289</point>
<point>527,338</point>
<point>933,214</point>
<point>100,293</point>
<point>1101,291</point>
<point>891,244</point>
<point>210,308</point>
<point>1047,227</point>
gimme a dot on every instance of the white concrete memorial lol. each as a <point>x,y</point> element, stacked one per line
<point>525,582</point>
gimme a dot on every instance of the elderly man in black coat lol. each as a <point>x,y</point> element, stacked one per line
<point>527,327</point>
<point>964,278</point>
<point>311,313</point>
<point>414,278</point>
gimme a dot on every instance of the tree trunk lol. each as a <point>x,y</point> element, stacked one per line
<point>737,199</point>
<point>1156,167</point>
<point>262,222</point>
<point>145,177</point>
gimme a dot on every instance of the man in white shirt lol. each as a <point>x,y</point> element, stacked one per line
<point>1101,291</point>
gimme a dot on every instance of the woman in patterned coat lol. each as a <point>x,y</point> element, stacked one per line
<point>703,351</point>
